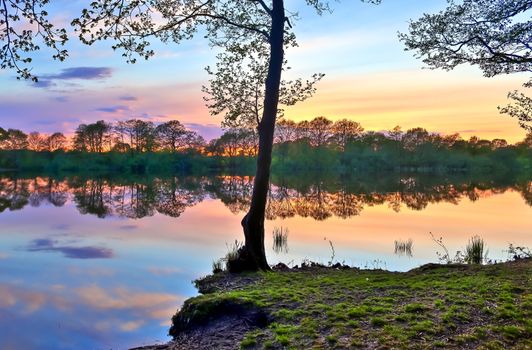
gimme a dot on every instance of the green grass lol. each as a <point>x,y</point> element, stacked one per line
<point>473,306</point>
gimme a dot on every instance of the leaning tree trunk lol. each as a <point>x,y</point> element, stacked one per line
<point>253,254</point>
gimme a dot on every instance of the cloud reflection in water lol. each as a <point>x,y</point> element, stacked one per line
<point>48,245</point>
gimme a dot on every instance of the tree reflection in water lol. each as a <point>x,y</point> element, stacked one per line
<point>317,197</point>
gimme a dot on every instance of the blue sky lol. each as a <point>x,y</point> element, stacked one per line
<point>369,78</point>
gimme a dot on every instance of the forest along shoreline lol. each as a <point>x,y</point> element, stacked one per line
<point>314,306</point>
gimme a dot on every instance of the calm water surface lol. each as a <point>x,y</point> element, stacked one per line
<point>103,263</point>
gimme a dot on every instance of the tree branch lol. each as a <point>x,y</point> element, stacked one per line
<point>264,6</point>
<point>238,25</point>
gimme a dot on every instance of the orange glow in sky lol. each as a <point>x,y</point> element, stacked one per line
<point>445,102</point>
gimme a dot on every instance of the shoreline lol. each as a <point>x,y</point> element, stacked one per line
<point>432,306</point>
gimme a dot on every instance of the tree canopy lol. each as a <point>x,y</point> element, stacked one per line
<point>495,36</point>
<point>24,25</point>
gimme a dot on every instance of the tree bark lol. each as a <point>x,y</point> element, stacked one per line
<point>253,223</point>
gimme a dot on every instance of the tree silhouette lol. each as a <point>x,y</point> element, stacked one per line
<point>95,137</point>
<point>55,142</point>
<point>141,135</point>
<point>3,135</point>
<point>23,25</point>
<point>36,141</point>
<point>345,131</point>
<point>171,135</point>
<point>319,131</point>
<point>13,139</point>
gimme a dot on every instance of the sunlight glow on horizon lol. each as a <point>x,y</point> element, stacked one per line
<point>440,102</point>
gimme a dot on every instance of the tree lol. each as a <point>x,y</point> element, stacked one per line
<point>229,142</point>
<point>448,141</point>
<point>521,109</point>
<point>414,138</point>
<point>94,137</point>
<point>236,86</point>
<point>249,141</point>
<point>238,141</point>
<point>302,130</point>
<point>374,140</point>
<point>345,131</point>
<point>3,134</point>
<point>194,141</point>
<point>319,131</point>
<point>171,135</point>
<point>527,141</point>
<point>285,131</point>
<point>252,33</point>
<point>493,35</point>
<point>396,133</point>
<point>140,134</point>
<point>498,143</point>
<point>80,140</point>
<point>36,141</point>
<point>23,25</point>
<point>214,147</point>
<point>55,142</point>
<point>13,139</point>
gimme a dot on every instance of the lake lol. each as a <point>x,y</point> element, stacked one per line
<point>104,262</point>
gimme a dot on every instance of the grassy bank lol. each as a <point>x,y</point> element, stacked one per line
<point>435,306</point>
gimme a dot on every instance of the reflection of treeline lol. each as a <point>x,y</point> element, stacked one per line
<point>316,197</point>
<point>124,197</point>
<point>141,146</point>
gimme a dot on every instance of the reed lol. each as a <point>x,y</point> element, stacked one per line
<point>474,251</point>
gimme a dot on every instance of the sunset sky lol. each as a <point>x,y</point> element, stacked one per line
<point>369,78</point>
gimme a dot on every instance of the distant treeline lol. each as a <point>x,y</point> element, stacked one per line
<point>343,145</point>
<point>133,135</point>
<point>140,146</point>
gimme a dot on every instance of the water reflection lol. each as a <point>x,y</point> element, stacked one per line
<point>49,245</point>
<point>288,196</point>
<point>103,262</point>
<point>70,318</point>
<point>403,247</point>
<point>280,240</point>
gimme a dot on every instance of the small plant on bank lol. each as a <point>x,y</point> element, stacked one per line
<point>474,252</point>
<point>518,253</point>
<point>442,257</point>
<point>225,263</point>
<point>232,254</point>
<point>232,250</point>
<point>218,265</point>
